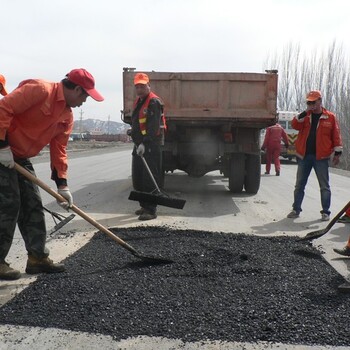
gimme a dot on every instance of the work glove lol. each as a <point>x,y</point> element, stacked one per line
<point>6,157</point>
<point>65,193</point>
<point>140,151</point>
<point>302,115</point>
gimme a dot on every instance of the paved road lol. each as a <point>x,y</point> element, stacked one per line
<point>101,184</point>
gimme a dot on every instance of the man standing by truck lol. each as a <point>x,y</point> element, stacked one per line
<point>3,90</point>
<point>146,121</point>
<point>272,146</point>
<point>318,138</point>
<point>33,115</point>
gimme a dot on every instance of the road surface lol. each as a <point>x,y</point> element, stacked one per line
<point>101,182</point>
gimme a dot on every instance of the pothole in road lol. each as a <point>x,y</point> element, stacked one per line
<point>228,287</point>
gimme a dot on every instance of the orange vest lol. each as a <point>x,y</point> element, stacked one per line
<point>143,114</point>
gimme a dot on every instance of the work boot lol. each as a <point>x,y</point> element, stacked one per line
<point>147,216</point>
<point>8,273</point>
<point>345,219</point>
<point>344,251</point>
<point>35,265</point>
<point>267,173</point>
<point>277,173</point>
<point>140,211</point>
<point>293,214</point>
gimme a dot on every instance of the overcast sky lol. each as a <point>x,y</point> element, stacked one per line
<point>47,38</point>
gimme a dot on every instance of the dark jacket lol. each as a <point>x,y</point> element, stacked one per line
<point>152,113</point>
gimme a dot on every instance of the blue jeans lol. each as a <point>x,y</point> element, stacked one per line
<point>304,169</point>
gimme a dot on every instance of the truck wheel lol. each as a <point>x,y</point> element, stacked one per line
<point>225,163</point>
<point>236,176</point>
<point>136,169</point>
<point>252,177</point>
<point>161,179</point>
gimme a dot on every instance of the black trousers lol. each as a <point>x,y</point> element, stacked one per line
<point>141,178</point>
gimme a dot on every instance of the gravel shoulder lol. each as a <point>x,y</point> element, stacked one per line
<point>77,149</point>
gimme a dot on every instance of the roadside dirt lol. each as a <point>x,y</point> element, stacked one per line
<point>82,148</point>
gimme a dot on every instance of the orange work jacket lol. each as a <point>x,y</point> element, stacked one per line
<point>274,135</point>
<point>33,115</point>
<point>328,137</point>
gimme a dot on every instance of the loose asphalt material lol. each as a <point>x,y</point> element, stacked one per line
<point>228,287</point>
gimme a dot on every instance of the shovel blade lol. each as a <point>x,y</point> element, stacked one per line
<point>344,287</point>
<point>313,235</point>
<point>153,260</point>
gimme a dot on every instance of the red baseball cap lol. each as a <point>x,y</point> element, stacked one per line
<point>141,78</point>
<point>84,79</point>
<point>3,91</point>
<point>313,96</point>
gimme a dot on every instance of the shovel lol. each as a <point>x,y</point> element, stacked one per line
<point>147,259</point>
<point>319,233</point>
<point>156,197</point>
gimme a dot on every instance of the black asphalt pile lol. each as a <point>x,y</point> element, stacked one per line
<point>228,287</point>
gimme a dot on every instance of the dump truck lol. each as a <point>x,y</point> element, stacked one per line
<point>213,121</point>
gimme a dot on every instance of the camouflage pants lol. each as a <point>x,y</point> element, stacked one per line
<point>20,202</point>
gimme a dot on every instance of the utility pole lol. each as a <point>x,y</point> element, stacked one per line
<point>81,125</point>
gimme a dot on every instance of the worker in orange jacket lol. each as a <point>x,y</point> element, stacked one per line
<point>318,140</point>
<point>272,146</point>
<point>33,115</point>
<point>3,90</point>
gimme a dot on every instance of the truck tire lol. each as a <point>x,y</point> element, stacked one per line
<point>135,169</point>
<point>237,170</point>
<point>161,178</point>
<point>252,176</point>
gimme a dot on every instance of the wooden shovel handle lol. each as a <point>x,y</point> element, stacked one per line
<point>78,211</point>
<point>337,217</point>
